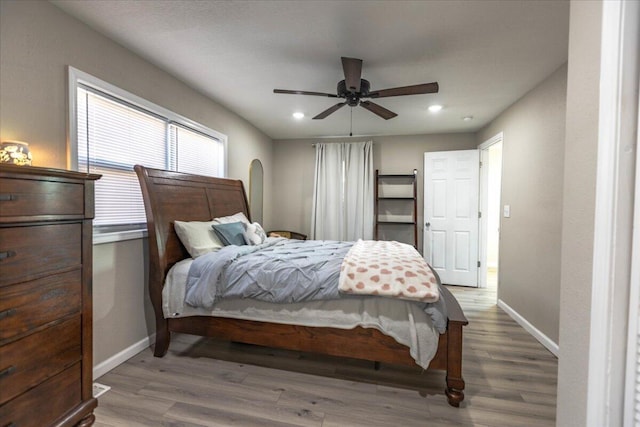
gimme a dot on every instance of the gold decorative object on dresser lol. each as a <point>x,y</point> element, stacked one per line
<point>46,357</point>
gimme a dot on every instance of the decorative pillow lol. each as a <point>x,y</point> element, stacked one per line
<point>255,235</point>
<point>231,233</point>
<point>197,237</point>
<point>238,217</point>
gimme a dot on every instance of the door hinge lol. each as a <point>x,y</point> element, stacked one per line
<point>479,214</point>
<point>478,263</point>
<point>480,164</point>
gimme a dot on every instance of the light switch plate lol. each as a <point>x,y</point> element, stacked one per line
<point>507,211</point>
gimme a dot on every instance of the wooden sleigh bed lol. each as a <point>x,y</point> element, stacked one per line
<point>170,196</point>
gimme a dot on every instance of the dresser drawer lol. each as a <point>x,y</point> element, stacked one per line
<point>28,305</point>
<point>26,197</point>
<point>27,362</point>
<point>28,252</point>
<point>47,402</point>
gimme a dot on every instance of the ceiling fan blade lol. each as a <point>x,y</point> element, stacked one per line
<point>352,68</point>
<point>330,110</point>
<point>405,90</point>
<point>304,92</point>
<point>377,109</point>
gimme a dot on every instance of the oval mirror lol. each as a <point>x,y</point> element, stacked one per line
<point>256,178</point>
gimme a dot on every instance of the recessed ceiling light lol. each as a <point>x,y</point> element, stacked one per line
<point>467,118</point>
<point>435,108</point>
<point>298,115</point>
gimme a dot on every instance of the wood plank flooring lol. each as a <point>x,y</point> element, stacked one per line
<point>511,381</point>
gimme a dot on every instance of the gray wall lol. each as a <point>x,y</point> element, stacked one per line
<point>37,42</point>
<point>578,210</point>
<point>294,161</point>
<point>532,175</point>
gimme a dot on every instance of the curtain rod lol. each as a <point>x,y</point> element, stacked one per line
<point>313,144</point>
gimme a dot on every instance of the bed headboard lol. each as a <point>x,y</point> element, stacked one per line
<point>170,196</point>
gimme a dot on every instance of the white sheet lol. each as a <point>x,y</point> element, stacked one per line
<point>406,322</point>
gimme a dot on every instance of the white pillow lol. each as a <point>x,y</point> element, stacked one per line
<point>238,217</point>
<point>197,237</point>
<point>254,234</point>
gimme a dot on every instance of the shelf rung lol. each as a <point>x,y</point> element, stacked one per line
<point>397,222</point>
<point>397,176</point>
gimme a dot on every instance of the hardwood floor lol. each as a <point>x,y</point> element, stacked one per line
<point>511,381</point>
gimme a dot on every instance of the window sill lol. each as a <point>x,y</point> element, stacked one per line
<point>118,236</point>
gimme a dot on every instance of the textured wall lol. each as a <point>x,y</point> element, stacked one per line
<point>37,43</point>
<point>532,176</point>
<point>578,209</point>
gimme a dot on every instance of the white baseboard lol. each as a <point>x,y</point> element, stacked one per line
<point>102,368</point>
<point>542,338</point>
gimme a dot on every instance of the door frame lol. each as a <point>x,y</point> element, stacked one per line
<point>483,208</point>
<point>613,265</point>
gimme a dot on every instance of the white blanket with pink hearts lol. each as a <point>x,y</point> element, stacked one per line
<point>387,268</point>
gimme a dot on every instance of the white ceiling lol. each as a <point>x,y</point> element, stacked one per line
<point>484,54</point>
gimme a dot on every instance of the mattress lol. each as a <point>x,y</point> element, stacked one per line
<point>402,320</point>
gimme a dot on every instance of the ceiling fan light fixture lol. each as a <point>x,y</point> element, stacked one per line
<point>298,115</point>
<point>435,108</point>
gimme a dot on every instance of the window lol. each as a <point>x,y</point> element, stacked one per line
<point>113,130</point>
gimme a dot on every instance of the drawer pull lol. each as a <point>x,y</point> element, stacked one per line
<point>7,254</point>
<point>7,313</point>
<point>4,197</point>
<point>7,371</point>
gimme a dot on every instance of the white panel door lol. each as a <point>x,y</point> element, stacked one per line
<point>451,215</point>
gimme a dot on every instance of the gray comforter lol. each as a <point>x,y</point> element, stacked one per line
<point>278,271</point>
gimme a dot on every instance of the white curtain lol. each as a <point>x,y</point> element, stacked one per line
<point>343,192</point>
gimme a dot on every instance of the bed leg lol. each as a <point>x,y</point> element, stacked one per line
<point>455,383</point>
<point>163,337</point>
<point>454,396</point>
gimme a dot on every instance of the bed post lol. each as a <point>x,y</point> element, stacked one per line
<point>157,264</point>
<point>456,321</point>
<point>455,383</point>
<point>163,337</point>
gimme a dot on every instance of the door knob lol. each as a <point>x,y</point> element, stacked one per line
<point>427,224</point>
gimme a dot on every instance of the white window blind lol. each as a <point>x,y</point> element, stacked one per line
<point>192,147</point>
<point>113,135</point>
<point>112,138</point>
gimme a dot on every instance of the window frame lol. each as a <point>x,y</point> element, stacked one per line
<point>78,78</point>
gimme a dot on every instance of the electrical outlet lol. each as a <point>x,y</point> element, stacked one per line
<point>507,211</point>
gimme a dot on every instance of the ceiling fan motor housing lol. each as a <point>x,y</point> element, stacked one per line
<point>353,98</point>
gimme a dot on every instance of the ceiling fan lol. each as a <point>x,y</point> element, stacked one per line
<point>354,88</point>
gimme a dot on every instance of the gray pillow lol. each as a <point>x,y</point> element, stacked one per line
<point>231,233</point>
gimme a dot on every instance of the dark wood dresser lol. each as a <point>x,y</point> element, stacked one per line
<point>45,297</point>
